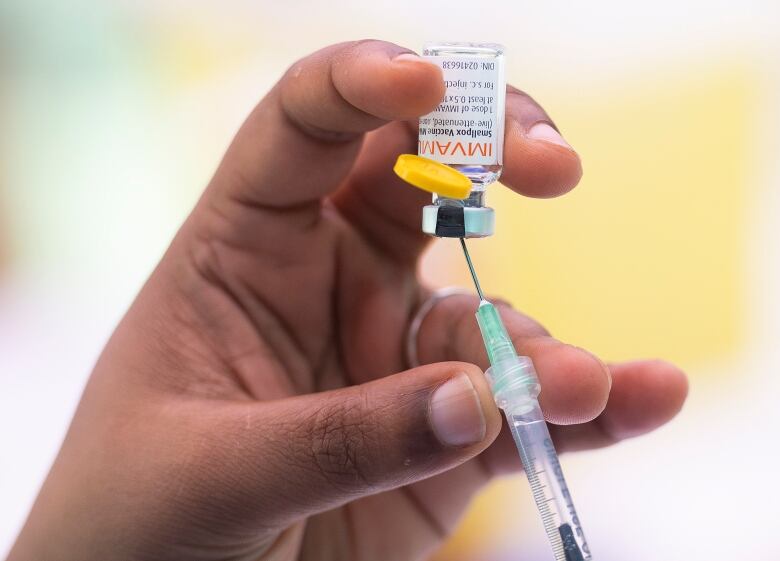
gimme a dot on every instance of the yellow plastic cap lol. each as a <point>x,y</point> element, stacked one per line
<point>432,176</point>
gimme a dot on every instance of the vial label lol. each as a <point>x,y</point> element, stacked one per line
<point>467,127</point>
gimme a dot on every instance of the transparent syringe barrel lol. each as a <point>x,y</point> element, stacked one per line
<point>548,486</point>
<point>516,389</point>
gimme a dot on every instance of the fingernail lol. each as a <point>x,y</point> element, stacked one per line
<point>414,57</point>
<point>545,132</point>
<point>456,413</point>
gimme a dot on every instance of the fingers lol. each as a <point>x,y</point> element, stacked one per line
<point>301,140</point>
<point>310,453</point>
<point>355,87</point>
<point>575,384</point>
<point>644,396</point>
<point>538,162</point>
<point>588,405</point>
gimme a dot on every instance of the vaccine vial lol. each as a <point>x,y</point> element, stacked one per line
<point>466,132</point>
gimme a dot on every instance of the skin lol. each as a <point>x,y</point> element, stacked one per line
<point>255,404</point>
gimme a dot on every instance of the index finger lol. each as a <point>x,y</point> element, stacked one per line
<point>302,139</point>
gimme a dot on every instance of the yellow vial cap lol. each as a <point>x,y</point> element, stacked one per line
<point>432,176</point>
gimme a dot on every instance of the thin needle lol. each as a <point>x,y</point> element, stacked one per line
<point>471,269</point>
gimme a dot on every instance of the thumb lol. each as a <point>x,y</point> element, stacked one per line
<point>308,454</point>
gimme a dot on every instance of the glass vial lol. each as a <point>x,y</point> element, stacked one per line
<point>466,132</point>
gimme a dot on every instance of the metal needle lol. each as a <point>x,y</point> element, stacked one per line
<point>471,269</point>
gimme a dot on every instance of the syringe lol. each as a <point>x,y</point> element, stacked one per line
<point>516,388</point>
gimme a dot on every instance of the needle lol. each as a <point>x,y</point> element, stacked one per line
<point>471,268</point>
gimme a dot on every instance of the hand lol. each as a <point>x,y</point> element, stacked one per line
<point>248,407</point>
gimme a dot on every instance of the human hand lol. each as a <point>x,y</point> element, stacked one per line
<point>248,406</point>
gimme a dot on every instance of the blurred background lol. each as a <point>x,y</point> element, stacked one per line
<point>113,116</point>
